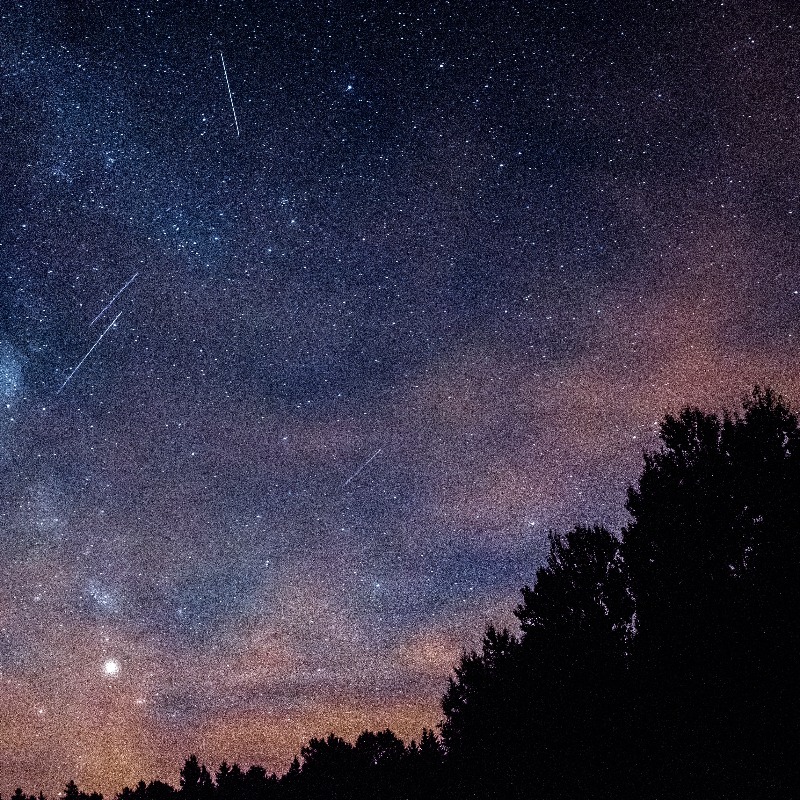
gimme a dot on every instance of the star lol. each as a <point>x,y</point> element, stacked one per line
<point>111,668</point>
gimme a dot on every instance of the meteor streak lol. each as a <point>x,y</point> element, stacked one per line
<point>228,83</point>
<point>78,365</point>
<point>111,301</point>
<point>362,467</point>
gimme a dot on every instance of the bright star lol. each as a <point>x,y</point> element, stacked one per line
<point>111,668</point>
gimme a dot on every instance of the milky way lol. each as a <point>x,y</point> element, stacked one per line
<point>414,284</point>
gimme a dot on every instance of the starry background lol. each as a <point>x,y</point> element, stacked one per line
<point>485,245</point>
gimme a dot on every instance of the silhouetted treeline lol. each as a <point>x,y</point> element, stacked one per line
<point>664,663</point>
<point>378,765</point>
<point>71,792</point>
<point>661,663</point>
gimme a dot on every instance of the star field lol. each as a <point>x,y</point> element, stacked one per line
<point>424,299</point>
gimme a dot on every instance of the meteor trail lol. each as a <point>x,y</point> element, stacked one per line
<point>228,83</point>
<point>362,467</point>
<point>77,366</point>
<point>111,301</point>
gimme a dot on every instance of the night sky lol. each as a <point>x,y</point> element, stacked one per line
<point>428,302</point>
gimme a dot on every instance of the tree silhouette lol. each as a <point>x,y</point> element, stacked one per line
<point>575,627</point>
<point>483,720</point>
<point>424,764</point>
<point>258,785</point>
<point>290,787</point>
<point>712,560</point>
<point>543,714</point>
<point>379,765</point>
<point>71,792</point>
<point>20,795</point>
<point>328,768</point>
<point>196,783</point>
<point>155,790</point>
